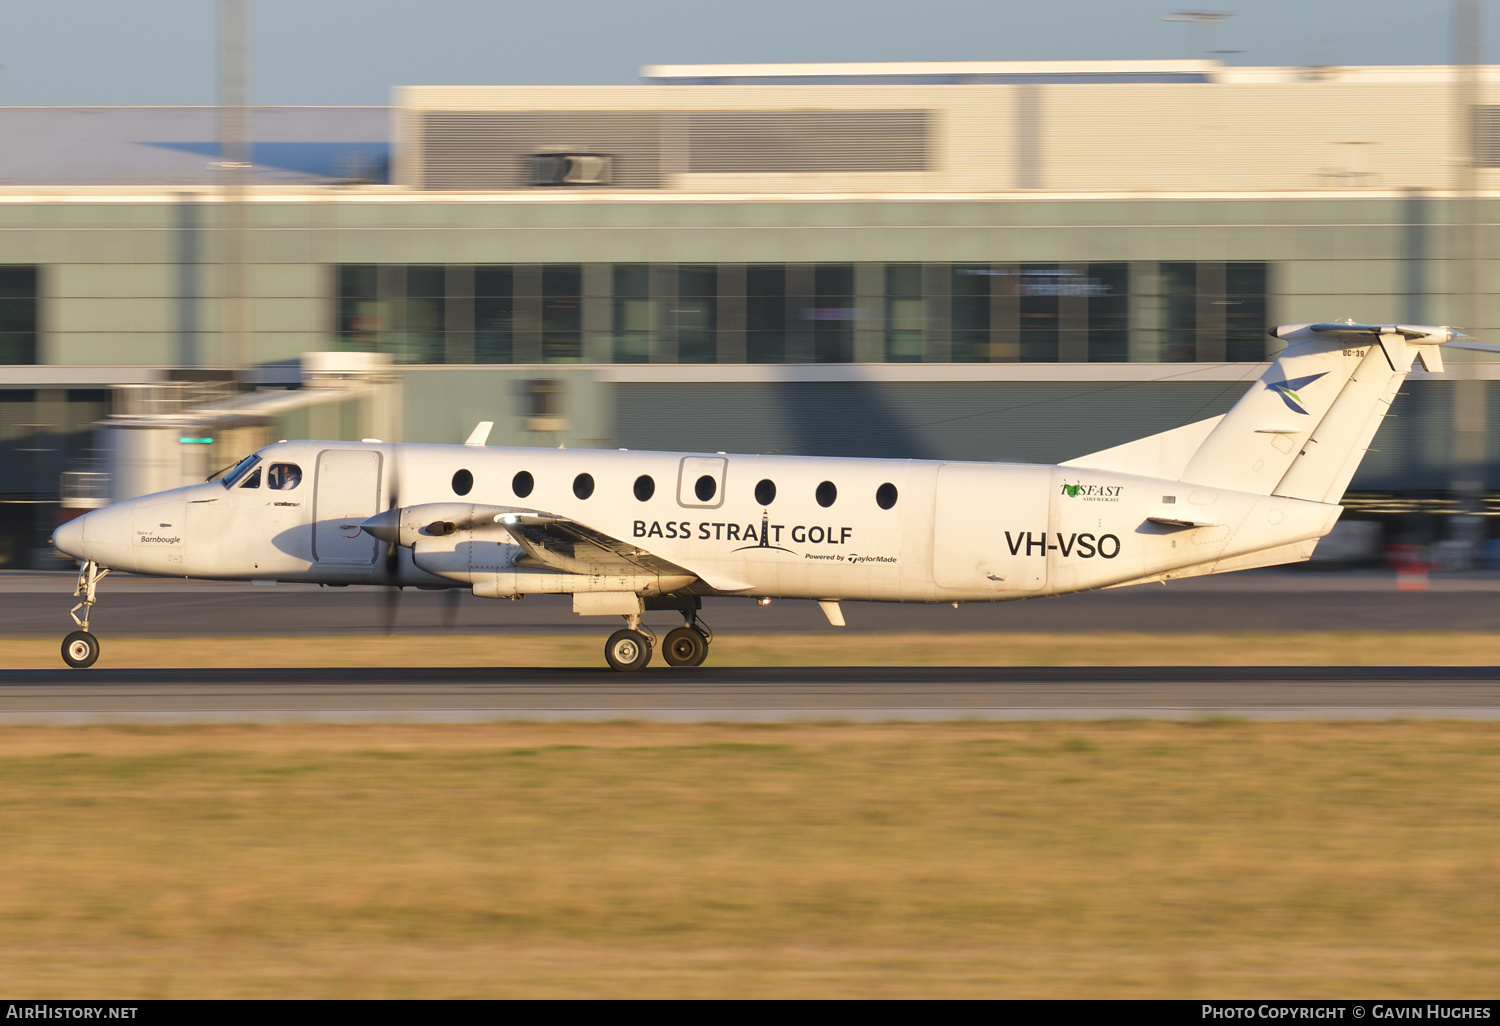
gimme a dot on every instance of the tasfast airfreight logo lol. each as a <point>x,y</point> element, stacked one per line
<point>1093,492</point>
<point>1288,390</point>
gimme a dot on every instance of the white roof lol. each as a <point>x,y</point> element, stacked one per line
<point>929,70</point>
<point>982,72</point>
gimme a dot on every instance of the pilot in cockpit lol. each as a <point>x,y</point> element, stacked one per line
<point>284,476</point>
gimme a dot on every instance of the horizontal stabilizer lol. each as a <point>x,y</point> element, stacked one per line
<point>1362,333</point>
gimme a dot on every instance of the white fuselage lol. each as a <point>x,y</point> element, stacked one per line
<point>952,532</point>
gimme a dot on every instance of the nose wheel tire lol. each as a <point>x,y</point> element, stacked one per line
<point>684,647</point>
<point>627,650</point>
<point>80,650</point>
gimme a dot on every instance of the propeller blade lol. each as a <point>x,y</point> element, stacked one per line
<point>393,551</point>
<point>392,607</point>
<point>450,608</point>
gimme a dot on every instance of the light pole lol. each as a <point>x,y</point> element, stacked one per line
<point>234,165</point>
<point>1470,427</point>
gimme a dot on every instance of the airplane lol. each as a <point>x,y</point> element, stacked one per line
<point>627,532</point>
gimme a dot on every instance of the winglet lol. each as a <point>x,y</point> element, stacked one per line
<point>480,433</point>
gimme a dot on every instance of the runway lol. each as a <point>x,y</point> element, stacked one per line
<point>34,605</point>
<point>857,694</point>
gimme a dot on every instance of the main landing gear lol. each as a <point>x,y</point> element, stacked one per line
<point>688,644</point>
<point>631,648</point>
<point>80,649</point>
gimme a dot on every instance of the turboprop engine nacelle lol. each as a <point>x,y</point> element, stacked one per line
<point>456,540</point>
<point>412,524</point>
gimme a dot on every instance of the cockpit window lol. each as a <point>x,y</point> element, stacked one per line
<point>253,481</point>
<point>283,476</point>
<point>240,469</point>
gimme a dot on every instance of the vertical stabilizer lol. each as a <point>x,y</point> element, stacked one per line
<point>1332,453</point>
<point>1256,442</point>
<point>1302,428</point>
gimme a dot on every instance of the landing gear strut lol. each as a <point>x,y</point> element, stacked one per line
<point>80,649</point>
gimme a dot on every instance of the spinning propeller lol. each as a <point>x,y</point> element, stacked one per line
<point>393,550</point>
<point>392,540</point>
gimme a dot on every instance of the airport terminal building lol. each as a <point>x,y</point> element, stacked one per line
<point>985,261</point>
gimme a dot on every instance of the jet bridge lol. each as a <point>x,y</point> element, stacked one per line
<point>171,434</point>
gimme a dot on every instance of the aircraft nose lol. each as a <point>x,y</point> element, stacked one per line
<point>68,537</point>
<point>102,535</point>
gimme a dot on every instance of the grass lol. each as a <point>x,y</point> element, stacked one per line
<point>1048,859</point>
<point>958,649</point>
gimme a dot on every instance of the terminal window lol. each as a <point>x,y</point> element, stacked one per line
<point>18,320</point>
<point>1088,312</point>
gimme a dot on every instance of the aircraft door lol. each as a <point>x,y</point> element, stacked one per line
<point>990,527</point>
<point>700,482</point>
<point>347,494</point>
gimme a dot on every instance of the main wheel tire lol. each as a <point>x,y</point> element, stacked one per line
<point>80,650</point>
<point>684,647</point>
<point>627,650</point>
<point>704,653</point>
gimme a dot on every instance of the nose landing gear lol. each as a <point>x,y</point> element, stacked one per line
<point>80,649</point>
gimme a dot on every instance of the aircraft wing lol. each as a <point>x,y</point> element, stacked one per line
<point>559,543</point>
<point>549,541</point>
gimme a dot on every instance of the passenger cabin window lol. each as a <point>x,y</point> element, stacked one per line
<point>284,476</point>
<point>765,492</point>
<point>253,481</point>
<point>522,484</point>
<point>462,482</point>
<point>583,486</point>
<point>885,496</point>
<point>645,487</point>
<point>826,494</point>
<point>705,487</point>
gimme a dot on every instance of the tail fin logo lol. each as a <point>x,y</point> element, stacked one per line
<point>1288,391</point>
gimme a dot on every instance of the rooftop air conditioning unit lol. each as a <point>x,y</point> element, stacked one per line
<point>571,168</point>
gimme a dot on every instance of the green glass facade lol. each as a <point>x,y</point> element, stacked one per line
<point>800,313</point>
<point>126,280</point>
